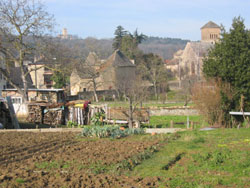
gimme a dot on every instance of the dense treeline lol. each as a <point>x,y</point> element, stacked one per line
<point>165,47</point>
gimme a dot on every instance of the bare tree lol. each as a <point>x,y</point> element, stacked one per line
<point>135,91</point>
<point>60,59</point>
<point>89,71</point>
<point>22,23</point>
<point>92,75</point>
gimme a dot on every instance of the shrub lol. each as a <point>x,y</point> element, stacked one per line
<point>207,97</point>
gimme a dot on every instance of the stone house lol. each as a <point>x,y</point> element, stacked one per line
<point>81,77</point>
<point>41,76</point>
<point>108,74</point>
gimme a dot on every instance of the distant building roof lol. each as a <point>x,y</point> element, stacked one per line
<point>173,62</point>
<point>210,24</point>
<point>16,77</point>
<point>93,59</point>
<point>118,59</point>
<point>82,71</point>
<point>87,71</point>
<point>43,61</point>
<point>167,61</point>
<point>201,48</point>
<point>89,68</point>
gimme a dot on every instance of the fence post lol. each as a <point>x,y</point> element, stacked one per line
<point>171,124</point>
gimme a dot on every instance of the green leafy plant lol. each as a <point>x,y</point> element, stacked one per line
<point>20,180</point>
<point>109,131</point>
<point>97,119</point>
<point>72,124</point>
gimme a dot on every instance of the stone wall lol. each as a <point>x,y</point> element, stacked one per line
<point>165,111</point>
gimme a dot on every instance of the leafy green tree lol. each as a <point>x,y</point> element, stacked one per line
<point>130,44</point>
<point>152,69</point>
<point>127,42</point>
<point>138,38</point>
<point>60,79</point>
<point>229,61</point>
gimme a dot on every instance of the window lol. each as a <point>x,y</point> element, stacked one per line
<point>47,81</point>
<point>16,100</point>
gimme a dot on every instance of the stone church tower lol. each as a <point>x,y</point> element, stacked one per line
<point>210,32</point>
<point>190,60</point>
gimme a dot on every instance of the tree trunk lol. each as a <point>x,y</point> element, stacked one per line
<point>155,91</point>
<point>95,94</point>
<point>23,76</point>
<point>130,113</point>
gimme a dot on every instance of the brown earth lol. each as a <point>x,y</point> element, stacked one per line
<point>65,160</point>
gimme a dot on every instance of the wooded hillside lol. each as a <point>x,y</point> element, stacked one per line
<point>164,47</point>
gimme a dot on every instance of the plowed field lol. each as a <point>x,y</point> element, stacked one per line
<point>66,160</point>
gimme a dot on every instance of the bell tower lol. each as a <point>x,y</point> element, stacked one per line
<point>210,32</point>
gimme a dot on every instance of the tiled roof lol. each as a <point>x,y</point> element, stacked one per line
<point>210,24</point>
<point>201,48</point>
<point>15,75</point>
<point>93,59</point>
<point>118,59</point>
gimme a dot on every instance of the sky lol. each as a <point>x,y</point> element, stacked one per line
<point>163,18</point>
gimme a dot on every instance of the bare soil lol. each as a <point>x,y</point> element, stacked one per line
<point>65,160</point>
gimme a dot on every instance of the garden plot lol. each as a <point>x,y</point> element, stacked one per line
<point>64,159</point>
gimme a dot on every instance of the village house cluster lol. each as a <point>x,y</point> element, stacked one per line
<point>105,75</point>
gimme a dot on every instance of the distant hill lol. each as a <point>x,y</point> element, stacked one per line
<point>164,47</point>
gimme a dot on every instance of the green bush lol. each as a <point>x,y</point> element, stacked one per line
<point>109,131</point>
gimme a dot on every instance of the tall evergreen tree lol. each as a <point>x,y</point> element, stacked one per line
<point>119,34</point>
<point>229,61</point>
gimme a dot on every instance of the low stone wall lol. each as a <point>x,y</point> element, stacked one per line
<point>167,111</point>
<point>163,130</point>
